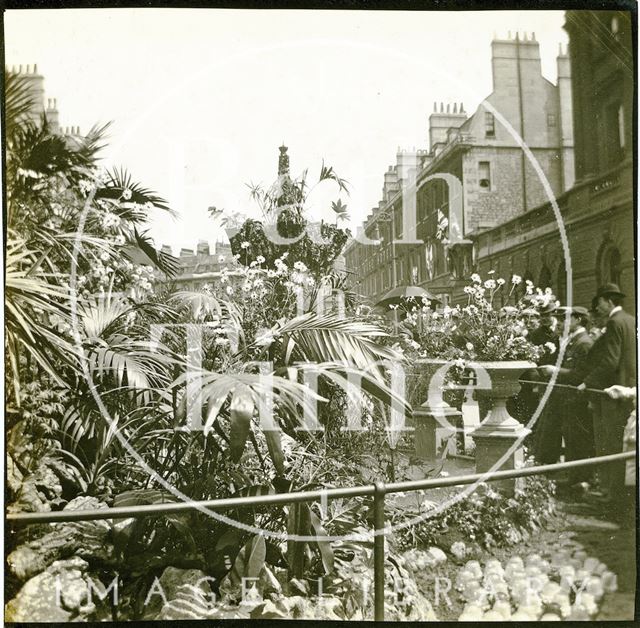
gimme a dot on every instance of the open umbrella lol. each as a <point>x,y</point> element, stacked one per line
<point>402,294</point>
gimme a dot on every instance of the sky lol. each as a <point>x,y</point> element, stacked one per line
<point>200,100</point>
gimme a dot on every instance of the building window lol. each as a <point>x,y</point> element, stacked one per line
<point>397,223</point>
<point>611,132</point>
<point>610,261</point>
<point>562,282</point>
<point>489,125</point>
<point>484,175</point>
<point>551,119</point>
<point>545,279</point>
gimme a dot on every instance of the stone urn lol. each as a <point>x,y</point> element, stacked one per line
<point>499,435</point>
<point>434,420</point>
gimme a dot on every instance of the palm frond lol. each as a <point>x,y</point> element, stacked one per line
<point>120,180</point>
<point>165,262</point>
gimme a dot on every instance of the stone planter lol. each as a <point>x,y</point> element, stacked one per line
<point>499,433</point>
<point>435,420</point>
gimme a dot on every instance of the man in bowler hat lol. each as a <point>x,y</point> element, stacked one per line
<point>616,365</point>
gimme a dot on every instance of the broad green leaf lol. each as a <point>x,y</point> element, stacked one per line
<point>297,524</point>
<point>326,553</point>
<point>274,445</point>
<point>241,411</point>
<point>249,561</point>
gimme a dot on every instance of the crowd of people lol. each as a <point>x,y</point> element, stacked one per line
<point>591,408</point>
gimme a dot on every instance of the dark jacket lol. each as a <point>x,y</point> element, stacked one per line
<point>576,362</point>
<point>540,337</point>
<point>615,359</point>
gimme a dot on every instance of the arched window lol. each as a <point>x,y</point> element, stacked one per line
<point>545,280</point>
<point>562,282</point>
<point>609,267</point>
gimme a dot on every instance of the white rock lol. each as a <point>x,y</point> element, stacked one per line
<point>575,563</point>
<point>462,578</point>
<point>609,581</point>
<point>594,587</point>
<point>550,617</point>
<point>544,566</point>
<point>581,555</point>
<point>474,567</point>
<point>437,555</point>
<point>590,564</point>
<point>549,591</point>
<point>600,569</point>
<point>503,608</point>
<point>587,601</point>
<point>567,570</point>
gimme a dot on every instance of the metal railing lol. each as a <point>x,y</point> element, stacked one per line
<point>543,383</point>
<point>378,491</point>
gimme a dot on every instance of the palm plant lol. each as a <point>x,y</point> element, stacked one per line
<point>336,350</point>
<point>32,302</point>
<point>130,373</point>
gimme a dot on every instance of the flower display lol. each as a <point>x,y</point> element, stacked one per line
<point>487,328</point>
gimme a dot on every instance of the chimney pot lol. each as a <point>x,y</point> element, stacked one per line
<point>20,69</point>
<point>455,107</point>
<point>435,106</point>
<point>441,107</point>
<point>509,37</point>
<point>35,68</point>
<point>533,36</point>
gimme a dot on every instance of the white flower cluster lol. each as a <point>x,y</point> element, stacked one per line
<point>534,589</point>
<point>59,323</point>
<point>109,220</point>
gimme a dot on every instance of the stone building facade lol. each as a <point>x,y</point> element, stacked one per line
<point>498,180</point>
<point>597,213</point>
<point>40,105</point>
<point>200,267</point>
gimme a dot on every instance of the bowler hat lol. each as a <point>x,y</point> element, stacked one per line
<point>547,308</point>
<point>578,310</point>
<point>609,289</point>
<point>575,310</point>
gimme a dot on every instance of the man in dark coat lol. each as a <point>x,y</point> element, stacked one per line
<point>569,419</point>
<point>616,364</point>
<point>544,335</point>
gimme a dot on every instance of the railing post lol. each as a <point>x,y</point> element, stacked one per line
<point>378,550</point>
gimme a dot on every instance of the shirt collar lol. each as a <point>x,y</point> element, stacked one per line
<point>617,308</point>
